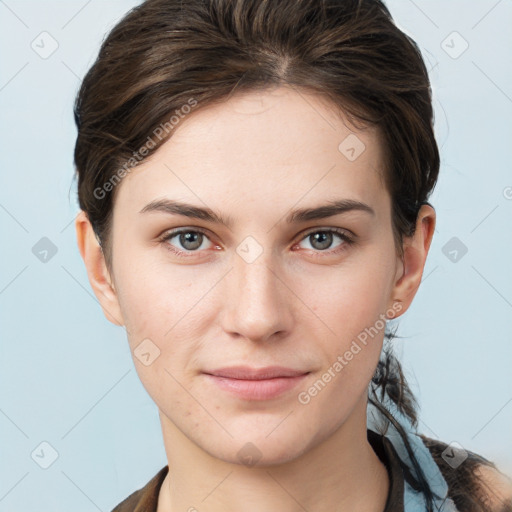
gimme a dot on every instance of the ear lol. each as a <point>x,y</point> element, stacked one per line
<point>99,276</point>
<point>410,268</point>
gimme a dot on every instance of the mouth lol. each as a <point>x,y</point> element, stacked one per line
<point>256,383</point>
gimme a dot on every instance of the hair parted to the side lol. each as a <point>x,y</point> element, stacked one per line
<point>167,54</point>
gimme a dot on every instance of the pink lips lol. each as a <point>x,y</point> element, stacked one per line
<point>256,383</point>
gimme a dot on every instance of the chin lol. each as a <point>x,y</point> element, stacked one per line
<point>262,454</point>
<point>264,447</point>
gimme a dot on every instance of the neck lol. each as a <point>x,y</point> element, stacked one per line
<point>341,473</point>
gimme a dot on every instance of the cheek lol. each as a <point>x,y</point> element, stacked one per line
<point>352,306</point>
<point>353,300</point>
<point>153,300</point>
<point>163,319</point>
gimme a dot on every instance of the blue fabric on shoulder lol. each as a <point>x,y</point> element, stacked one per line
<point>414,501</point>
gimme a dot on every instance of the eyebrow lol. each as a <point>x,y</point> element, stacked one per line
<point>337,207</point>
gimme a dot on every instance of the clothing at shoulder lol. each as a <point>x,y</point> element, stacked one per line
<point>145,499</point>
<point>475,485</point>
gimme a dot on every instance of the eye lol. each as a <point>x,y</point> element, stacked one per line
<point>191,240</point>
<point>322,239</point>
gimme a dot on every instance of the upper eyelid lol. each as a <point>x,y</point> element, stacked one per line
<point>336,230</point>
<point>307,231</point>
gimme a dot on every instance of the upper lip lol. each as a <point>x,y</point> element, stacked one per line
<point>248,373</point>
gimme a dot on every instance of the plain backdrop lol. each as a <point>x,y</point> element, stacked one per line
<point>67,379</point>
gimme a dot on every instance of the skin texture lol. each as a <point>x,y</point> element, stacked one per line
<point>253,159</point>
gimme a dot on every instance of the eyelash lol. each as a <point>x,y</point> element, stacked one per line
<point>348,241</point>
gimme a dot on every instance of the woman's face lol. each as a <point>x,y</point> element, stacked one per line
<point>270,288</point>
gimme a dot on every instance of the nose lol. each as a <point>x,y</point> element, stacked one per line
<point>258,303</point>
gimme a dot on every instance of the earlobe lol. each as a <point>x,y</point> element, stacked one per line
<point>97,272</point>
<point>410,272</point>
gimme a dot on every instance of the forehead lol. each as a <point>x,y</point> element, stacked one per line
<point>267,147</point>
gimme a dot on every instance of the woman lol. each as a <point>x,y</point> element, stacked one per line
<point>253,184</point>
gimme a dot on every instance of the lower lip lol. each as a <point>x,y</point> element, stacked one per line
<point>264,389</point>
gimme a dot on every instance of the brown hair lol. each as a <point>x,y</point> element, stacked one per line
<point>165,53</point>
<point>167,56</point>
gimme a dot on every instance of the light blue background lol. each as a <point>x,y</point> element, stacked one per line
<point>66,374</point>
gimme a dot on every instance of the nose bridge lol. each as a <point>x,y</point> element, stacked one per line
<point>255,274</point>
<point>256,277</point>
<point>257,306</point>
